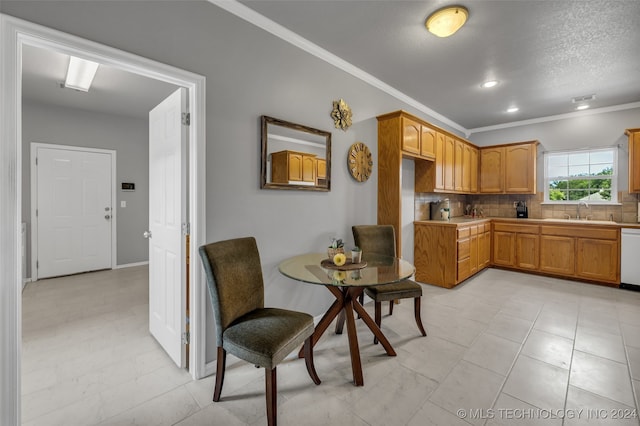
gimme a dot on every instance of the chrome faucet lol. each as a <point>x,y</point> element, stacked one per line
<point>579,204</point>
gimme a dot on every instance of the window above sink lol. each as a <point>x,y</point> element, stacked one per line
<point>583,176</point>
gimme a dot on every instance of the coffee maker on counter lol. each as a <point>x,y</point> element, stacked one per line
<point>521,210</point>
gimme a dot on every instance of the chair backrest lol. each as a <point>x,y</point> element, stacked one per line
<point>234,279</point>
<point>379,239</point>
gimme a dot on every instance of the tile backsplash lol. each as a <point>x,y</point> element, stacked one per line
<point>502,206</point>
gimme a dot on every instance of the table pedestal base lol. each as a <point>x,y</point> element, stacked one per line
<point>343,307</point>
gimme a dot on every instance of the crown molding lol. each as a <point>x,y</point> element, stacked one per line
<point>253,17</point>
<point>556,117</point>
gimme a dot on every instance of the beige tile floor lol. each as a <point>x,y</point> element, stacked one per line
<point>503,348</point>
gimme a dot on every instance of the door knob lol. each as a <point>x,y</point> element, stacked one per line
<point>106,216</point>
<point>146,234</point>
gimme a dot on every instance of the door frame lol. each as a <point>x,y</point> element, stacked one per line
<point>14,33</point>
<point>34,198</point>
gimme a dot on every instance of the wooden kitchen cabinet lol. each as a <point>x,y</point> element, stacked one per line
<point>508,169</point>
<point>588,252</point>
<point>411,133</point>
<point>492,170</point>
<point>418,139</point>
<point>516,245</point>
<point>293,166</point>
<point>473,169</point>
<point>634,159</point>
<point>458,166</point>
<point>504,244</point>
<point>520,168</point>
<point>449,164</point>
<point>557,254</point>
<point>527,251</point>
<point>428,142</point>
<point>446,254</point>
<point>401,135</point>
<point>597,259</point>
<point>484,247</point>
<point>440,175</point>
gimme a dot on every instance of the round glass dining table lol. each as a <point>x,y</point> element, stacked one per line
<point>347,284</point>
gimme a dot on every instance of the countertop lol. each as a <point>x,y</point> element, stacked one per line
<point>463,220</point>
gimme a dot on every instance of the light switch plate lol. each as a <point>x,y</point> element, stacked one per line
<point>123,204</point>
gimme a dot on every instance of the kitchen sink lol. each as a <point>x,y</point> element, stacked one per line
<point>583,221</point>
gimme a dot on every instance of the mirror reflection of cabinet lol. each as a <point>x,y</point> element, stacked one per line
<point>293,167</point>
<point>294,156</point>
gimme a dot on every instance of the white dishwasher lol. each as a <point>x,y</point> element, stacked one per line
<point>630,259</point>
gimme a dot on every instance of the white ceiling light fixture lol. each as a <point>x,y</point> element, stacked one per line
<point>513,109</point>
<point>80,74</point>
<point>447,21</point>
<point>488,84</point>
<point>581,107</point>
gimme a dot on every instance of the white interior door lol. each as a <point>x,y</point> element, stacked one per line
<point>73,211</point>
<point>167,213</point>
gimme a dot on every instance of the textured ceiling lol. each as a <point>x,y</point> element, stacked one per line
<point>544,53</point>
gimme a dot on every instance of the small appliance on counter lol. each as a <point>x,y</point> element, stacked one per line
<point>521,210</point>
<point>439,210</point>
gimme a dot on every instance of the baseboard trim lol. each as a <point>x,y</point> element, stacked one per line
<point>25,281</point>
<point>131,265</point>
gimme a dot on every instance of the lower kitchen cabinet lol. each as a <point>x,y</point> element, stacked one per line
<point>516,245</point>
<point>589,252</point>
<point>558,254</point>
<point>484,247</point>
<point>446,254</point>
<point>598,259</point>
<point>504,253</point>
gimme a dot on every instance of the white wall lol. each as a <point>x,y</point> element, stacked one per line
<point>127,136</point>
<point>584,131</point>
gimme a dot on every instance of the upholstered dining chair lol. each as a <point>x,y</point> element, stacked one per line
<point>244,327</point>
<point>381,239</point>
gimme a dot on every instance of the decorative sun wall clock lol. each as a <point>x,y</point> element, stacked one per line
<point>359,161</point>
<point>341,114</point>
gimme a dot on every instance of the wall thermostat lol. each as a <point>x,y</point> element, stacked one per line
<point>128,186</point>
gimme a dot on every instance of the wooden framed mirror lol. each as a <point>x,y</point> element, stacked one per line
<point>294,156</point>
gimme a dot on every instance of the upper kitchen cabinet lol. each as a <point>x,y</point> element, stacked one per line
<point>417,139</point>
<point>492,170</point>
<point>508,169</point>
<point>454,169</point>
<point>634,159</point>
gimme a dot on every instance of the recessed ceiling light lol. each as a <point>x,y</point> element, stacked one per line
<point>513,109</point>
<point>488,84</point>
<point>581,107</point>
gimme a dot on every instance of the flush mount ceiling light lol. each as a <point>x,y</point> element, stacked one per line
<point>513,109</point>
<point>489,84</point>
<point>447,21</point>
<point>581,107</point>
<point>80,74</point>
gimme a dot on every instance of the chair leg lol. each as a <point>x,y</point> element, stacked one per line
<point>361,300</point>
<point>308,360</point>
<point>377,318</point>
<point>416,309</point>
<point>272,396</point>
<point>391,302</point>
<point>221,364</point>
